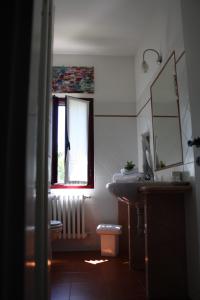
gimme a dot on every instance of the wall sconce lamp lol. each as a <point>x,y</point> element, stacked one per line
<point>145,66</point>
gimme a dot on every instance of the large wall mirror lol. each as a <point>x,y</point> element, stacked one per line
<point>166,119</point>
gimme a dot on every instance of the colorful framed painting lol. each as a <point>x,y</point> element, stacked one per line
<point>73,80</point>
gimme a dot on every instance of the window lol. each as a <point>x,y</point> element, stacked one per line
<point>72,143</point>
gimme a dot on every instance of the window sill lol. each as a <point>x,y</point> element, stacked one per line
<point>62,186</point>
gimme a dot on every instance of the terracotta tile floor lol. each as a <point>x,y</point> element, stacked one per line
<point>72,278</point>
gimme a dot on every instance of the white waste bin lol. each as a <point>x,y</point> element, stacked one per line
<point>109,234</point>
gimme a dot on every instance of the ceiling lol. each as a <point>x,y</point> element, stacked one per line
<point>100,27</point>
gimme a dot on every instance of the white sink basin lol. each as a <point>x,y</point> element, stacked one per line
<point>126,190</point>
<point>129,190</point>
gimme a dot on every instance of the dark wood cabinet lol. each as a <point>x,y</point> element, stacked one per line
<point>154,239</point>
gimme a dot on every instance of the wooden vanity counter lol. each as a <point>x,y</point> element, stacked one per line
<point>156,238</point>
<point>163,187</point>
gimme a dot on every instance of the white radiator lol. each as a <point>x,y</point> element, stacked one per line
<point>70,211</point>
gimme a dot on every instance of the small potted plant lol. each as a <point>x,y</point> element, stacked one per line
<point>129,165</point>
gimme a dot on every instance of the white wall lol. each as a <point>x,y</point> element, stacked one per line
<point>166,35</point>
<point>115,138</point>
<point>114,76</point>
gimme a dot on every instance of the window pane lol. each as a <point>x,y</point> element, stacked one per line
<point>61,143</point>
<point>78,137</point>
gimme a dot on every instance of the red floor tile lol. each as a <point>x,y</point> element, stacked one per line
<point>74,279</point>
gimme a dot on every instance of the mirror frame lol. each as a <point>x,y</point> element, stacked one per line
<point>178,106</point>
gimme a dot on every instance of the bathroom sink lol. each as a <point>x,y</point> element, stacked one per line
<point>129,190</point>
